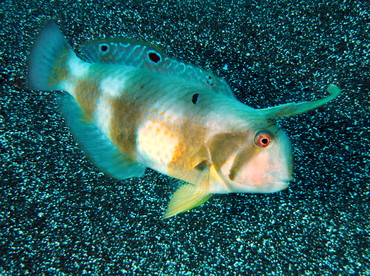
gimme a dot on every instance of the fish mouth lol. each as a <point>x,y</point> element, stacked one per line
<point>277,186</point>
<point>266,188</point>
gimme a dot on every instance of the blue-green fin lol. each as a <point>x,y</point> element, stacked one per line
<point>131,52</point>
<point>100,150</point>
<point>290,109</point>
<point>50,47</point>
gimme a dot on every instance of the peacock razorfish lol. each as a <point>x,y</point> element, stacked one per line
<point>131,107</point>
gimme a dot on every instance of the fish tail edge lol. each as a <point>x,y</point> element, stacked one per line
<point>47,54</point>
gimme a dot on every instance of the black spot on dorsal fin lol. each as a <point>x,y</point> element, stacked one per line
<point>104,48</point>
<point>154,56</point>
<point>143,55</point>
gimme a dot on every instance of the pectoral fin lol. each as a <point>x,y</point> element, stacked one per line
<point>290,109</point>
<point>187,197</point>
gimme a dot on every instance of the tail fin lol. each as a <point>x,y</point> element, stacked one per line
<point>46,65</point>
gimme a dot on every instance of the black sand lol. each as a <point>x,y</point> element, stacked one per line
<point>60,216</point>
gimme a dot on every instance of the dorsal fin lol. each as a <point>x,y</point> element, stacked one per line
<point>131,52</point>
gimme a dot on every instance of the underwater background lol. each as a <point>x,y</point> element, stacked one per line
<point>60,216</point>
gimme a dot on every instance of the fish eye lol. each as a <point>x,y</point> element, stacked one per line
<point>263,139</point>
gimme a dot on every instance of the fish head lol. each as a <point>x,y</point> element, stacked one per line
<point>258,161</point>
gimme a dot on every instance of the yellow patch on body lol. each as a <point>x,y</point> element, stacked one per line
<point>158,137</point>
<point>125,119</point>
<point>86,94</point>
<point>191,140</point>
<point>59,72</point>
<point>157,141</point>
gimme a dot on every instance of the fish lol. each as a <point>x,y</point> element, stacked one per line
<point>131,107</point>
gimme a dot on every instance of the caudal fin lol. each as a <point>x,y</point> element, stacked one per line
<point>46,64</point>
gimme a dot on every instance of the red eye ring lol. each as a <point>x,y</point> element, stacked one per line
<point>263,139</point>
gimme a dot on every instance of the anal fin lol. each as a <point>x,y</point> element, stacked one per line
<point>187,197</point>
<point>99,148</point>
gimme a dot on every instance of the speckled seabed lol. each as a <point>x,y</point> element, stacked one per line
<point>60,216</point>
